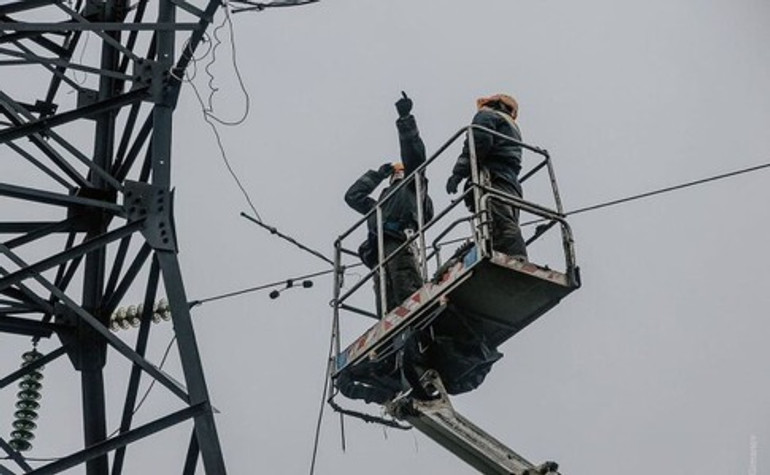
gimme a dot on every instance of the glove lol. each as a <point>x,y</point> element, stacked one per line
<point>452,184</point>
<point>385,170</point>
<point>404,105</point>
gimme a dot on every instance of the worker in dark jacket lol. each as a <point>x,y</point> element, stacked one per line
<point>500,161</point>
<point>399,212</point>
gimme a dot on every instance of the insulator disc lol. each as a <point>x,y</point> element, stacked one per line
<point>20,445</point>
<point>30,384</point>
<point>26,363</point>
<point>34,375</point>
<point>22,435</point>
<point>28,405</point>
<point>25,414</point>
<point>31,355</point>
<point>28,395</point>
<point>24,424</point>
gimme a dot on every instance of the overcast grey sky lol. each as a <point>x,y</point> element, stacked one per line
<point>658,363</point>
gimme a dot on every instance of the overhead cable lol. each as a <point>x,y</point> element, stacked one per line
<point>207,108</point>
<point>324,398</point>
<point>223,154</point>
<point>195,303</point>
<point>573,212</point>
<point>275,232</point>
<point>150,386</point>
<point>666,190</point>
<point>260,6</point>
<point>211,118</point>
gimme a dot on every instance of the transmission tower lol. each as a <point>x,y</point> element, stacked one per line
<point>85,142</point>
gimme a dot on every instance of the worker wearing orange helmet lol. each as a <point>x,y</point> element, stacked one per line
<point>500,160</point>
<point>399,212</point>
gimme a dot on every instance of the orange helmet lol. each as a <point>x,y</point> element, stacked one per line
<point>507,100</point>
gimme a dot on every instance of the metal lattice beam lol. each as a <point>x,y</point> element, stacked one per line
<point>99,216</point>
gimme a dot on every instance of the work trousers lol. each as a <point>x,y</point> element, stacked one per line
<point>402,275</point>
<point>506,233</point>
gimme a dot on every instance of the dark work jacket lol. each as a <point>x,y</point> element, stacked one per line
<point>500,157</point>
<point>399,212</point>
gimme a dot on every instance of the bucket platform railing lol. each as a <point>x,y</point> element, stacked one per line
<point>346,256</point>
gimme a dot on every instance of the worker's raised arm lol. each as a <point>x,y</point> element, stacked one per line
<point>357,196</point>
<point>410,143</point>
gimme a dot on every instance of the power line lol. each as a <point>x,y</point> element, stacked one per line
<point>667,189</point>
<point>325,391</point>
<point>207,108</point>
<point>223,154</point>
<point>236,293</point>
<point>188,77</point>
<point>573,212</point>
<point>208,112</point>
<point>260,6</point>
<point>150,386</point>
<point>275,232</point>
<point>234,59</point>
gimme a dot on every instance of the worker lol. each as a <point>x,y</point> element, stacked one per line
<point>399,212</point>
<point>499,162</point>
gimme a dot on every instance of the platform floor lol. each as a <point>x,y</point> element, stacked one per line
<point>471,308</point>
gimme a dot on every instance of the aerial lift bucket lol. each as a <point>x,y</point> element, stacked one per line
<point>448,331</point>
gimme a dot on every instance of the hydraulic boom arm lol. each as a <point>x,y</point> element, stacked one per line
<point>437,419</point>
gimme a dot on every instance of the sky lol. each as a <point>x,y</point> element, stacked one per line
<point>659,362</point>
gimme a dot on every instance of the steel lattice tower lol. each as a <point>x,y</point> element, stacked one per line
<point>91,172</point>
